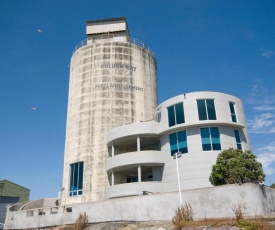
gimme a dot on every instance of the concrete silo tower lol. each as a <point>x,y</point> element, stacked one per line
<point>112,83</point>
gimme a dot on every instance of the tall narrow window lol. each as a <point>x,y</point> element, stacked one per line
<point>206,109</point>
<point>210,138</point>
<point>176,114</point>
<point>232,110</point>
<point>178,142</point>
<point>238,139</point>
<point>76,179</point>
<point>158,117</point>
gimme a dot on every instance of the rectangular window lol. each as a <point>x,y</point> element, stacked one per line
<point>210,138</point>
<point>232,111</point>
<point>158,117</point>
<point>76,179</point>
<point>206,109</point>
<point>178,142</point>
<point>175,114</point>
<point>238,139</point>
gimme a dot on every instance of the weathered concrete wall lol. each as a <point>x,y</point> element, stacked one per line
<point>111,84</point>
<point>214,202</point>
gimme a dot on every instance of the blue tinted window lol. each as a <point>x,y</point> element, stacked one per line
<point>202,109</point>
<point>173,143</point>
<point>182,142</point>
<point>232,111</point>
<point>76,179</point>
<point>238,139</point>
<point>175,114</point>
<point>179,113</point>
<point>215,137</point>
<point>211,110</point>
<point>178,142</point>
<point>210,138</point>
<point>205,139</point>
<point>206,109</point>
<point>171,116</point>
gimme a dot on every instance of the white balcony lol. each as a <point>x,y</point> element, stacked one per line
<point>150,157</point>
<point>135,189</point>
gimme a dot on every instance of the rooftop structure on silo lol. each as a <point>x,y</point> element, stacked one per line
<point>107,28</point>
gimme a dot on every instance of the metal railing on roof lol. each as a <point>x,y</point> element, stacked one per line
<point>112,38</point>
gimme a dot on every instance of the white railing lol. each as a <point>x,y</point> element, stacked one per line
<point>112,38</point>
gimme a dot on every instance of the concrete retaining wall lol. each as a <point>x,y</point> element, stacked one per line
<point>214,202</point>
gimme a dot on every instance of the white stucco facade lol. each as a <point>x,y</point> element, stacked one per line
<point>140,154</point>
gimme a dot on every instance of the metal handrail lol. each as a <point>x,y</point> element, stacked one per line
<point>112,38</point>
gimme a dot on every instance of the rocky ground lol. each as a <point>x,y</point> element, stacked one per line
<point>268,224</point>
<point>214,224</point>
<point>167,225</point>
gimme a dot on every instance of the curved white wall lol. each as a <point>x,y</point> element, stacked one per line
<point>194,166</point>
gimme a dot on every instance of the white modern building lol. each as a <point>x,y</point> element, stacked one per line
<point>197,125</point>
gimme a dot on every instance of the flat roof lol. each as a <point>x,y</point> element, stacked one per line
<point>107,20</point>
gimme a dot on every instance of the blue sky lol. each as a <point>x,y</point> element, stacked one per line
<point>226,46</point>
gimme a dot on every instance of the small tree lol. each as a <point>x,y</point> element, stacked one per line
<point>272,185</point>
<point>235,166</point>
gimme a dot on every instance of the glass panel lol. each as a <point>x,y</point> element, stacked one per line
<point>232,110</point>
<point>179,113</point>
<point>215,137</point>
<point>75,176</point>
<point>72,177</point>
<point>173,143</point>
<point>201,110</point>
<point>80,183</point>
<point>234,118</point>
<point>171,116</point>
<point>211,110</point>
<point>239,146</point>
<point>205,136</point>
<point>238,139</point>
<point>182,142</point>
<point>206,147</point>
<point>237,135</point>
<point>216,146</point>
<point>205,139</point>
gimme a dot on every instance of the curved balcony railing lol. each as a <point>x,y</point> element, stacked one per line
<point>135,189</point>
<point>135,158</point>
<point>113,38</point>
